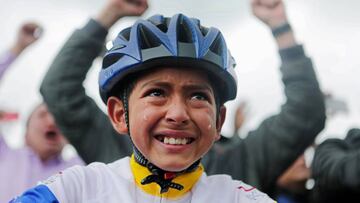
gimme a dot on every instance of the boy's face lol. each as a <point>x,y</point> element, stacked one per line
<point>172,116</point>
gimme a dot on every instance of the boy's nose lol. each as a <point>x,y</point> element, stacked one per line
<point>177,113</point>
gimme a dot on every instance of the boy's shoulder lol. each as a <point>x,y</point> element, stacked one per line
<point>91,171</point>
<point>227,189</point>
<point>96,182</point>
<point>94,179</point>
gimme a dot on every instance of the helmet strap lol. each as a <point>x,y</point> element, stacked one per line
<point>124,99</point>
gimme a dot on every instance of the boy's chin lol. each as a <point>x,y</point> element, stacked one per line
<point>173,167</point>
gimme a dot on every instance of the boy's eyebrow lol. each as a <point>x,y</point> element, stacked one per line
<point>199,87</point>
<point>188,86</point>
<point>156,82</point>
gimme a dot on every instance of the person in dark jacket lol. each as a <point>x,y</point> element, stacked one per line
<point>336,169</point>
<point>258,160</point>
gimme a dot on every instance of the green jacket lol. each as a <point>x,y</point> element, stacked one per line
<point>258,160</point>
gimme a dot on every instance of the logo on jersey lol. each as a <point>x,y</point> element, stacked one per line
<point>51,179</point>
<point>251,192</point>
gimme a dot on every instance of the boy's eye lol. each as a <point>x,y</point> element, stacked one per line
<point>155,93</point>
<point>199,96</point>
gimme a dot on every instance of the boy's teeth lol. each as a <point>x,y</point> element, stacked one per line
<point>172,141</point>
<point>175,141</point>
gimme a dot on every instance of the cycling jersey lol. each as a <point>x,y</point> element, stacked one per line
<point>117,182</point>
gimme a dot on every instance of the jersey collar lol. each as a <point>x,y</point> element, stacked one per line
<point>176,185</point>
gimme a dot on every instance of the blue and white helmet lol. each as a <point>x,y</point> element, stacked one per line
<point>175,42</point>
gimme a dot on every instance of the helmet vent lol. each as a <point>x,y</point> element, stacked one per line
<point>204,30</point>
<point>218,45</point>
<point>160,22</point>
<point>147,38</point>
<point>164,25</point>
<point>184,32</point>
<point>111,59</point>
<point>125,34</point>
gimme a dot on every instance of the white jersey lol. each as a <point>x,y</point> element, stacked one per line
<point>115,183</point>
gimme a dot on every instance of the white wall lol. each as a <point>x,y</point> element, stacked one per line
<point>329,29</point>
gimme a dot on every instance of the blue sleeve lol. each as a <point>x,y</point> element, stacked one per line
<point>38,194</point>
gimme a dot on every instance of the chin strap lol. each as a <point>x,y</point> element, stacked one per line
<point>159,176</point>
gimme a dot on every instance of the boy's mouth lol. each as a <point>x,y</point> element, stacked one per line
<point>174,141</point>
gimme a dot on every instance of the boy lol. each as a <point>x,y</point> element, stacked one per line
<point>165,82</point>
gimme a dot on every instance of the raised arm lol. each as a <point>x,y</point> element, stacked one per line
<point>279,140</point>
<point>283,137</point>
<point>28,33</point>
<point>273,14</point>
<point>77,115</point>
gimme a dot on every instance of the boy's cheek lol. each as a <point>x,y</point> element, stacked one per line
<point>206,119</point>
<point>147,114</point>
<point>145,119</point>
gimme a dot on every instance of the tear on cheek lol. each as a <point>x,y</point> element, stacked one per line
<point>146,114</point>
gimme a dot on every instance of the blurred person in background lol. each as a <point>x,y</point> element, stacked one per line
<point>291,185</point>
<point>336,164</point>
<point>336,169</point>
<point>332,176</point>
<point>41,157</point>
<point>259,159</point>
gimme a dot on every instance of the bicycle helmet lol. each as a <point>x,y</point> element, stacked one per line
<point>178,41</point>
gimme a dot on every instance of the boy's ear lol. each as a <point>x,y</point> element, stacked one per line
<point>116,112</point>
<point>220,121</point>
